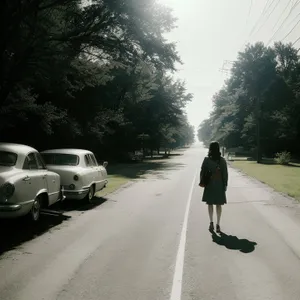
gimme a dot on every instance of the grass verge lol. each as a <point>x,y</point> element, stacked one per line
<point>284,179</point>
<point>114,183</point>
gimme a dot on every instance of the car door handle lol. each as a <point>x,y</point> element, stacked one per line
<point>26,178</point>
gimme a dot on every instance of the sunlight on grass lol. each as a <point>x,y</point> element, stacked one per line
<point>285,179</point>
<point>114,183</point>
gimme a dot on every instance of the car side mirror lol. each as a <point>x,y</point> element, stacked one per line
<point>105,164</point>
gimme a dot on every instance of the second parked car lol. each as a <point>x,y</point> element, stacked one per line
<point>81,175</point>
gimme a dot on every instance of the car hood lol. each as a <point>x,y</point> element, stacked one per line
<point>7,174</point>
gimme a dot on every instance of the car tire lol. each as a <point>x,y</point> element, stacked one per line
<point>35,212</point>
<point>91,193</point>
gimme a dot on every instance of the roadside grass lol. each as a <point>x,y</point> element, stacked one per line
<point>284,179</point>
<point>121,174</point>
<point>114,183</point>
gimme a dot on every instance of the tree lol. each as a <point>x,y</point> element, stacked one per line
<point>262,89</point>
<point>92,75</point>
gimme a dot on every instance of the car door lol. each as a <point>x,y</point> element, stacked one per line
<point>98,173</point>
<point>34,181</point>
<point>52,180</point>
<point>91,172</point>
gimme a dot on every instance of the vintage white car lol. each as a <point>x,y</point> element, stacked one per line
<point>26,186</point>
<point>80,173</point>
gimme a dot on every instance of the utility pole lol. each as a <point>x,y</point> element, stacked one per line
<point>226,69</point>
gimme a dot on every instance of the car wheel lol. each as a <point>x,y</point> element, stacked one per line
<point>35,211</point>
<point>91,194</point>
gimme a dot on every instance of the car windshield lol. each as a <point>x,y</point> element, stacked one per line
<point>8,159</point>
<point>59,159</point>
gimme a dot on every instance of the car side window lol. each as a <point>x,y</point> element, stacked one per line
<point>93,158</point>
<point>88,161</point>
<point>40,161</point>
<point>30,162</point>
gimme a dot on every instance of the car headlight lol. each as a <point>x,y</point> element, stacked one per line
<point>7,190</point>
<point>76,177</point>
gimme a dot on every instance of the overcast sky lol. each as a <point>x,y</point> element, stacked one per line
<point>210,32</point>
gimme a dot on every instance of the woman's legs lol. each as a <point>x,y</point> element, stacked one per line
<point>219,213</point>
<point>211,212</point>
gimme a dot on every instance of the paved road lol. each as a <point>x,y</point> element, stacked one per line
<point>150,241</point>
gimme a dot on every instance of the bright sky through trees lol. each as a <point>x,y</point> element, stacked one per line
<point>210,32</point>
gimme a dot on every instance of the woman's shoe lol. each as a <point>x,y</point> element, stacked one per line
<point>211,226</point>
<point>218,228</point>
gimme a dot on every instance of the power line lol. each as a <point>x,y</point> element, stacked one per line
<point>249,12</point>
<point>283,12</point>
<point>291,30</point>
<point>258,20</point>
<point>297,40</point>
<point>294,19</point>
<point>265,9</point>
<point>295,4</point>
<point>266,19</point>
<point>286,18</point>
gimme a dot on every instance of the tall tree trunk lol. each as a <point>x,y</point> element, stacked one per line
<point>258,140</point>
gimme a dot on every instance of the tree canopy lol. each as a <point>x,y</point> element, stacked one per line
<point>263,87</point>
<point>90,74</point>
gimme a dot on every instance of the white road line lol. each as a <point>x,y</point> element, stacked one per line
<point>178,274</point>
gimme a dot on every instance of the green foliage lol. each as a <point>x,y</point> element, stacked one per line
<point>90,76</point>
<point>271,76</point>
<point>283,158</point>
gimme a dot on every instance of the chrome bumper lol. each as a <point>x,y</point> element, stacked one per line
<point>13,210</point>
<point>76,194</point>
<point>10,207</point>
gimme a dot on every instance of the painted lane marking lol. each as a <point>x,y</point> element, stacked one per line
<point>178,273</point>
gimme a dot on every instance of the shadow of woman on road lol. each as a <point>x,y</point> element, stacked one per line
<point>233,243</point>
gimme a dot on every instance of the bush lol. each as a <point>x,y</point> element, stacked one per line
<point>283,158</point>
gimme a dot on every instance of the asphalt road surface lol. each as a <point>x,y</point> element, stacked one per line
<point>150,241</point>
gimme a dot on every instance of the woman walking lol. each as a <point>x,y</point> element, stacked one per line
<point>214,179</point>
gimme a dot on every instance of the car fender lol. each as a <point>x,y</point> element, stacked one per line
<point>44,192</point>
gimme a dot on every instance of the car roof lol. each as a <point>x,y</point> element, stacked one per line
<point>16,148</point>
<point>68,151</point>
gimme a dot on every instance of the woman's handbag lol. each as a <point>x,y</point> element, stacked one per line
<point>205,177</point>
